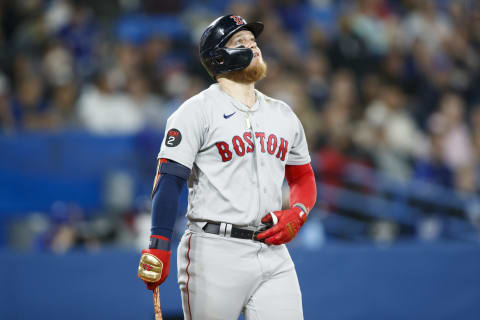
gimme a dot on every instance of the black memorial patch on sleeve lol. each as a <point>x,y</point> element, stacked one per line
<point>173,138</point>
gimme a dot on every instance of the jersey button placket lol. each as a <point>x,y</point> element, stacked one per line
<point>258,155</point>
<point>248,127</point>
<point>260,166</point>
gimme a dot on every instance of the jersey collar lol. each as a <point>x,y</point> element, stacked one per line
<point>240,106</point>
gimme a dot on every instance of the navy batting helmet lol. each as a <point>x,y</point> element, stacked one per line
<point>214,56</point>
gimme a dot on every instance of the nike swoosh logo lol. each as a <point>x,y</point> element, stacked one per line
<point>226,116</point>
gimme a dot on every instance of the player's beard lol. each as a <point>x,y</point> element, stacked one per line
<point>253,73</point>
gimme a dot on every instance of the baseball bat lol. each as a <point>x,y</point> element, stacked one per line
<point>156,304</point>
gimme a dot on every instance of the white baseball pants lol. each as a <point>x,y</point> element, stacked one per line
<point>221,277</point>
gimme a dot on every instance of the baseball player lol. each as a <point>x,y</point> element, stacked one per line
<point>235,146</point>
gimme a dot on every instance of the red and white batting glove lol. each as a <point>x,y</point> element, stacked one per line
<point>287,223</point>
<point>154,266</point>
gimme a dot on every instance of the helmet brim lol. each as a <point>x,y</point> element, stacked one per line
<point>255,27</point>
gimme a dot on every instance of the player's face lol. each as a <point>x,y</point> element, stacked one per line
<point>245,38</point>
<point>257,68</point>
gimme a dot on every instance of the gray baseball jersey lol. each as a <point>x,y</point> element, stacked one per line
<point>237,154</point>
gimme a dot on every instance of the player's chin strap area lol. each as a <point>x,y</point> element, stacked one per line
<point>228,230</point>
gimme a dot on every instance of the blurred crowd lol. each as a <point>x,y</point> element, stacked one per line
<point>389,85</point>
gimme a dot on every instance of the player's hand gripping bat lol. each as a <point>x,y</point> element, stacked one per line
<point>150,270</point>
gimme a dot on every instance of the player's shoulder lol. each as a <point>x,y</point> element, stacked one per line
<point>277,105</point>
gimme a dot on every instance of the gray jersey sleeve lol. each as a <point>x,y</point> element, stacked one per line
<point>184,134</point>
<point>298,154</point>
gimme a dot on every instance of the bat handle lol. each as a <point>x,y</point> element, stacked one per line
<point>156,304</point>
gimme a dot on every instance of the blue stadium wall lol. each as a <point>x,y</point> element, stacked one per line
<point>406,281</point>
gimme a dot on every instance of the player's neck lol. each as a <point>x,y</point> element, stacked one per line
<point>242,92</point>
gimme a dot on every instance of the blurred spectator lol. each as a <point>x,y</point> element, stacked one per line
<point>316,73</point>
<point>394,70</point>
<point>6,116</point>
<point>465,181</point>
<point>427,25</point>
<point>29,32</point>
<point>475,125</point>
<point>338,112</point>
<point>390,111</point>
<point>389,132</point>
<point>105,111</point>
<point>80,35</point>
<point>58,14</point>
<point>63,103</point>
<point>334,161</point>
<point>155,62</point>
<point>431,167</point>
<point>126,64</point>
<point>450,123</point>
<point>58,65</point>
<point>30,105</point>
<point>368,24</point>
<point>348,50</point>
<point>151,106</point>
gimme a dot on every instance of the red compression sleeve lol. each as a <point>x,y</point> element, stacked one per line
<point>303,188</point>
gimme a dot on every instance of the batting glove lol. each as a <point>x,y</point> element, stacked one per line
<point>154,267</point>
<point>287,223</point>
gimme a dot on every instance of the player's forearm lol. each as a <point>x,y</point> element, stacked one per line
<point>154,265</point>
<point>303,189</point>
<point>165,205</point>
<point>171,178</point>
<point>303,193</point>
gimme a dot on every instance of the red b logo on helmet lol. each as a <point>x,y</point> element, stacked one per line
<point>238,20</point>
